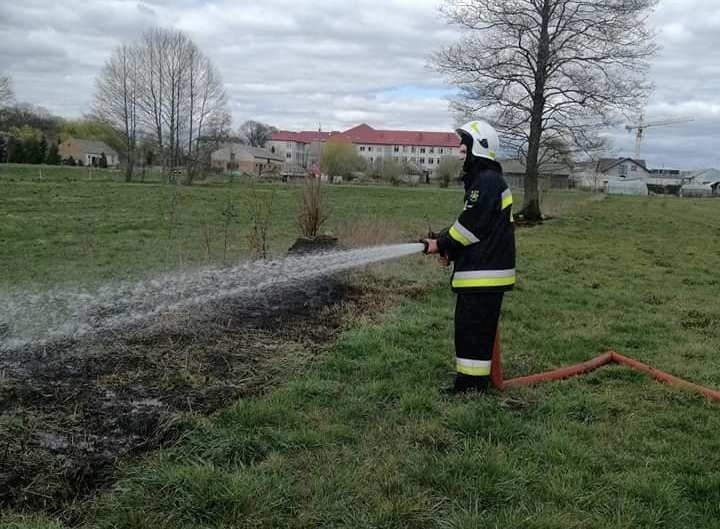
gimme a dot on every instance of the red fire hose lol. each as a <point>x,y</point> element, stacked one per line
<point>586,367</point>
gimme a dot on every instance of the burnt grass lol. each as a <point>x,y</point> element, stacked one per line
<point>71,411</point>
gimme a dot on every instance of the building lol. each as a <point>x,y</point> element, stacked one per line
<point>244,158</point>
<point>596,175</point>
<point>301,150</point>
<point>88,152</point>
<point>551,175</point>
<point>626,168</point>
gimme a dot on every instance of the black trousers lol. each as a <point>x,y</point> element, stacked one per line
<point>476,321</point>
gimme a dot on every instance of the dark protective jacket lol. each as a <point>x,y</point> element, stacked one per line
<point>481,244</point>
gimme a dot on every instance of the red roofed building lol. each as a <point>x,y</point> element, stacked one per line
<point>422,149</point>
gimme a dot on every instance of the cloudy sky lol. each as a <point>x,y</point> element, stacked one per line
<point>299,63</point>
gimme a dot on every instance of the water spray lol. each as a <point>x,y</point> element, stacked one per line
<point>61,313</point>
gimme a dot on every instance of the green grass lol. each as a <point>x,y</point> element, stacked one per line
<point>363,438</point>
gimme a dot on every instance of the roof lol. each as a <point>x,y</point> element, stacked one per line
<point>93,146</point>
<point>515,166</point>
<point>705,176</point>
<point>605,164</point>
<point>364,133</point>
<point>307,136</point>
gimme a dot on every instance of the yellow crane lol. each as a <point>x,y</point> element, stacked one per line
<point>642,125</point>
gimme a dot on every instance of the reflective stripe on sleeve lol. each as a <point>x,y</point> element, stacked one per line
<point>462,235</point>
<point>476,368</point>
<point>484,278</point>
<point>506,199</point>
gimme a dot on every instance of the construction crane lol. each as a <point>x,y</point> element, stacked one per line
<point>642,125</point>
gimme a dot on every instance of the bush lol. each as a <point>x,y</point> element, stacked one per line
<point>392,171</point>
<point>313,212</point>
<point>340,159</point>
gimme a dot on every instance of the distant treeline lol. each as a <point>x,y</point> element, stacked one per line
<point>30,134</point>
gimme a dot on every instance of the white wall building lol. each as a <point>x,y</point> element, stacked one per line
<point>422,149</point>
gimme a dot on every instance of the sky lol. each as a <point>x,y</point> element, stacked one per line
<point>304,64</point>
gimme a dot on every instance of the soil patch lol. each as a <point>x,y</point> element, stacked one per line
<point>69,411</point>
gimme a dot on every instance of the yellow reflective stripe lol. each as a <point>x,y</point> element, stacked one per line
<point>483,279</point>
<point>506,199</point>
<point>473,371</point>
<point>475,368</point>
<point>484,282</point>
<point>459,237</point>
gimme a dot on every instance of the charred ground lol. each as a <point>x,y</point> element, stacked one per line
<point>72,410</point>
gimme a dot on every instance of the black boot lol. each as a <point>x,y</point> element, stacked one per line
<point>467,384</point>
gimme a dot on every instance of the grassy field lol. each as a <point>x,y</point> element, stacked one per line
<point>363,437</point>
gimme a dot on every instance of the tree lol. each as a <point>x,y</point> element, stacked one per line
<point>3,149</point>
<point>40,152</point>
<point>69,161</point>
<point>547,71</point>
<point>53,156</point>
<point>180,95</point>
<point>6,91</point>
<point>392,171</point>
<point>255,133</point>
<point>26,145</point>
<point>448,170</point>
<point>162,90</point>
<point>340,159</point>
<point>116,100</point>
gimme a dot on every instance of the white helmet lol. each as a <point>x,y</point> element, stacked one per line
<point>485,139</point>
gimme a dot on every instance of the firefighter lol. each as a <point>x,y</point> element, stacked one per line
<point>481,246</point>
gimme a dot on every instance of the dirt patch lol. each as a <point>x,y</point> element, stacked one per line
<point>71,410</point>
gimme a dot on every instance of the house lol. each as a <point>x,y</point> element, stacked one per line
<point>423,149</point>
<point>244,158</point>
<point>703,183</point>
<point>552,175</point>
<point>88,152</point>
<point>595,175</point>
<point>626,168</point>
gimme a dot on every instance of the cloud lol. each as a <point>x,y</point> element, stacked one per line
<point>295,64</point>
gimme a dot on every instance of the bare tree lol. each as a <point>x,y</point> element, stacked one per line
<point>548,72</point>
<point>180,95</point>
<point>7,94</point>
<point>255,133</point>
<point>116,99</point>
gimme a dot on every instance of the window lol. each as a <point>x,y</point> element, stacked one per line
<point>372,159</point>
<point>633,167</point>
<point>422,161</point>
<point>397,148</point>
<point>432,150</point>
<point>288,155</point>
<point>362,148</point>
<point>369,148</point>
<point>442,151</point>
<point>232,156</point>
<point>422,150</point>
<point>431,160</point>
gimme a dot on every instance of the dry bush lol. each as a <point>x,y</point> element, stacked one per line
<point>261,208</point>
<point>313,211</point>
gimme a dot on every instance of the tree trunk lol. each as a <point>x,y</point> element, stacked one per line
<point>531,201</point>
